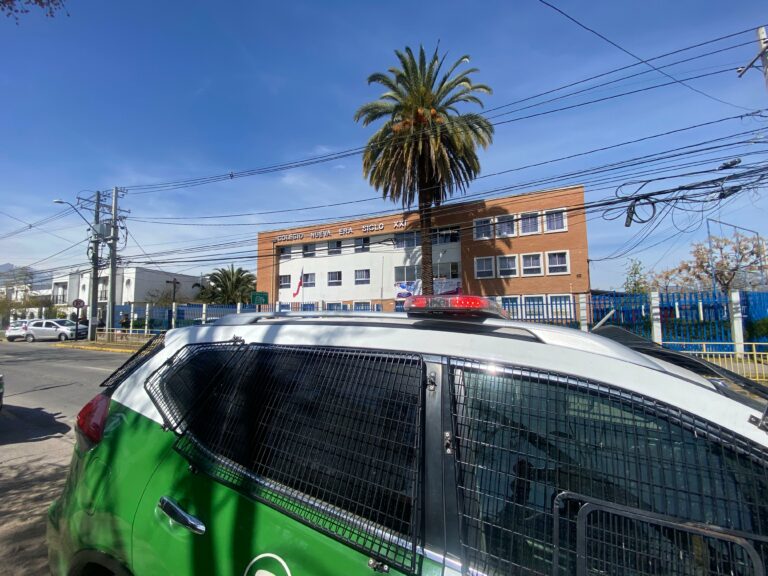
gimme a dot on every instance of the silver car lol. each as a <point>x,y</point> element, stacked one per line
<point>51,330</point>
<point>16,330</point>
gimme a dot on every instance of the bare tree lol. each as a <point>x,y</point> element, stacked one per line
<point>15,8</point>
<point>665,280</point>
<point>733,263</point>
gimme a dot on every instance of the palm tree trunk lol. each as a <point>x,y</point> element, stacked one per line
<point>425,222</point>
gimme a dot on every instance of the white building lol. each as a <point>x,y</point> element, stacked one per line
<point>133,285</point>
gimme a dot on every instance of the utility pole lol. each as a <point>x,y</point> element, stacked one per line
<point>112,264</point>
<point>762,55</point>
<point>94,304</point>
<point>762,39</point>
<point>175,283</point>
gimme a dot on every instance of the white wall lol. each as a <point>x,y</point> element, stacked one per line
<point>145,280</point>
<point>381,261</point>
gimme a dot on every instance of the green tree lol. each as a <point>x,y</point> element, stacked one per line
<point>635,281</point>
<point>426,149</point>
<point>228,286</point>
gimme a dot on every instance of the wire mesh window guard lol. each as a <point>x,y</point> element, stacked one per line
<point>330,436</point>
<point>149,349</point>
<point>679,495</point>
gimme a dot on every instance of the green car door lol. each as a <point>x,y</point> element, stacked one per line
<point>285,460</point>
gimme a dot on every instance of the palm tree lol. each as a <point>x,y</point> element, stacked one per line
<point>425,150</point>
<point>228,286</point>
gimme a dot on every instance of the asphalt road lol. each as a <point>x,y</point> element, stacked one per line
<point>45,388</point>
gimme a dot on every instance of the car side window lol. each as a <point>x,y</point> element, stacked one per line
<point>331,436</point>
<point>621,475</point>
<point>50,325</point>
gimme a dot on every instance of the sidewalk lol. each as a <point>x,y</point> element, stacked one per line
<point>126,348</point>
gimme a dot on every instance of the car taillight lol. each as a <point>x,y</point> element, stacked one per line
<point>91,419</point>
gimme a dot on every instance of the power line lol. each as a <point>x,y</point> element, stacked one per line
<point>37,224</point>
<point>516,169</point>
<point>636,57</point>
<point>171,185</point>
<point>147,189</point>
<point>446,206</point>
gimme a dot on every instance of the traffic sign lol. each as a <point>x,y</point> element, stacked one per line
<point>259,297</point>
<point>78,303</point>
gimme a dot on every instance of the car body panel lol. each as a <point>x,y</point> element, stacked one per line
<point>110,501</point>
<point>103,488</point>
<point>238,530</point>
<point>645,377</point>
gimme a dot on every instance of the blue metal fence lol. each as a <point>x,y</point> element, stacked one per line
<point>558,310</point>
<point>754,306</point>
<point>691,317</point>
<point>695,317</point>
<point>631,311</point>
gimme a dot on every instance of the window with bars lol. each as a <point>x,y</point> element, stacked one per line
<point>308,280</point>
<point>330,436</point>
<point>334,278</point>
<point>362,276</point>
<point>284,281</point>
<point>558,475</point>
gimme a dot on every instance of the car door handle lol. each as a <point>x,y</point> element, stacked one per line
<point>171,508</point>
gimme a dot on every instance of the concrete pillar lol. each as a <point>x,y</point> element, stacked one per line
<point>204,317</point>
<point>130,319</point>
<point>583,317</point>
<point>146,318</point>
<point>737,324</point>
<point>173,315</point>
<point>656,317</point>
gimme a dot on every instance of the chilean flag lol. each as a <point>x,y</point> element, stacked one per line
<point>300,284</point>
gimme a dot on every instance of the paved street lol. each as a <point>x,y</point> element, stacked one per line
<point>45,388</point>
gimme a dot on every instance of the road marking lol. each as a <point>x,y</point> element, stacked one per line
<point>96,368</point>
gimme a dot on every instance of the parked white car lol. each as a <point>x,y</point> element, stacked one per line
<point>52,330</point>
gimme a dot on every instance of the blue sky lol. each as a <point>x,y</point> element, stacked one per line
<point>118,94</point>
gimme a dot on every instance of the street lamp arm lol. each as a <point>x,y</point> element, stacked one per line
<point>59,201</point>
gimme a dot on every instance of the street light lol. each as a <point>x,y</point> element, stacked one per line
<point>60,201</point>
<point>95,238</point>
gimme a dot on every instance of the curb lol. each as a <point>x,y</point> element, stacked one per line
<point>96,348</point>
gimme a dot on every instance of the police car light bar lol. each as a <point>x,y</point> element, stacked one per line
<point>453,305</point>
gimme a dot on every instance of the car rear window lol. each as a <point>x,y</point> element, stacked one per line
<point>330,436</point>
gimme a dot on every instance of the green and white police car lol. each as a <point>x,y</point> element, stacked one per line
<point>441,441</point>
